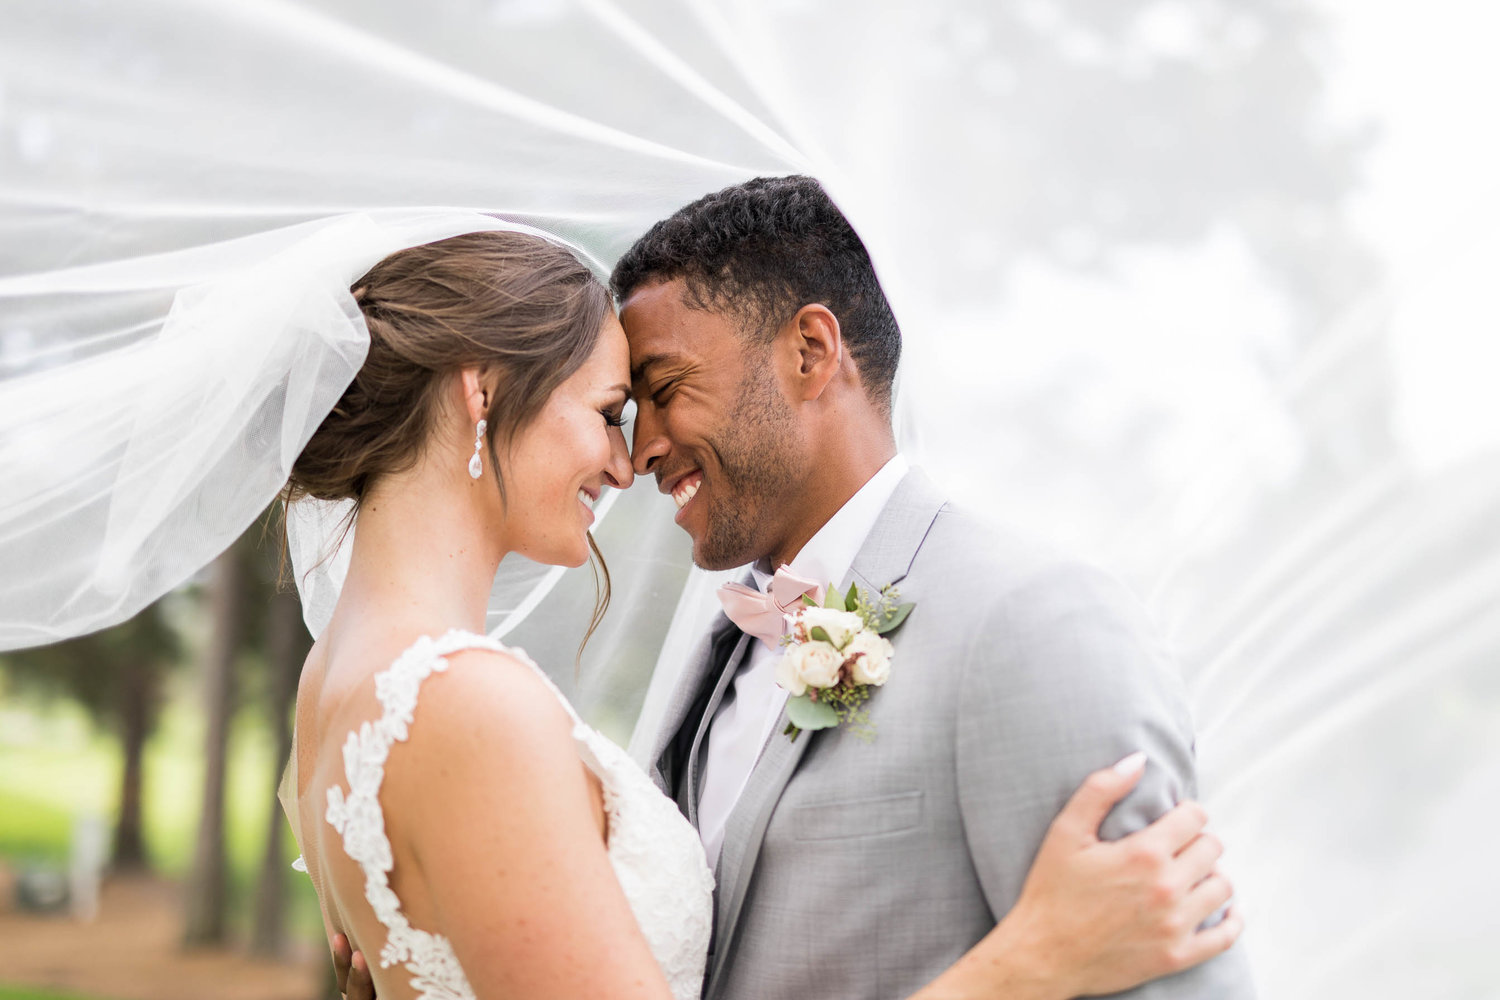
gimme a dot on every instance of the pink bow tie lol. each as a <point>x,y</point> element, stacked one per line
<point>763,615</point>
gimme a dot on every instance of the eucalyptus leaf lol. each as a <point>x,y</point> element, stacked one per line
<point>902,611</point>
<point>820,634</point>
<point>804,713</point>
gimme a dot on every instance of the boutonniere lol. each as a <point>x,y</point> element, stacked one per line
<point>835,654</point>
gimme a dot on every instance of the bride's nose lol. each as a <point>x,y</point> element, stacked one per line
<point>618,472</point>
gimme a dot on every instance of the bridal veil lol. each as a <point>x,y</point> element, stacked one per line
<point>1195,288</point>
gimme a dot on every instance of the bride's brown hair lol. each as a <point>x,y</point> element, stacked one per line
<point>513,302</point>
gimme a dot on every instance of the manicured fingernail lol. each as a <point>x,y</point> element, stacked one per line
<point>1130,765</point>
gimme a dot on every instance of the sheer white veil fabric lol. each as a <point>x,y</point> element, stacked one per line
<point>1167,296</point>
<point>135,467</point>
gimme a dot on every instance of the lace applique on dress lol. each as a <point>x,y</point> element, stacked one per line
<point>656,854</point>
<point>654,851</point>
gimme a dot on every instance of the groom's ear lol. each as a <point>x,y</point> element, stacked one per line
<point>813,334</point>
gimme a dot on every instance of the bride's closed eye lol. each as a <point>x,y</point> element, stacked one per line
<point>619,415</point>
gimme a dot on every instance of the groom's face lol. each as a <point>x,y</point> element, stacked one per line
<point>712,425</point>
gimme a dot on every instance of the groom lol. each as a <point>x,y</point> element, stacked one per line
<point>763,353</point>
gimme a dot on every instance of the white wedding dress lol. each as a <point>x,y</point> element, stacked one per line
<point>655,852</point>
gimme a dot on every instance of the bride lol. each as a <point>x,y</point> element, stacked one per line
<point>463,828</point>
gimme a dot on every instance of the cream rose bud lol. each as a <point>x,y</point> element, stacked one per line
<point>872,658</point>
<point>786,673</point>
<point>839,625</point>
<point>816,664</point>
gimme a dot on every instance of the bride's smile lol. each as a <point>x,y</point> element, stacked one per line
<point>561,463</point>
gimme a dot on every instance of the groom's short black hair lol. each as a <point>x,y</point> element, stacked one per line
<point>760,251</point>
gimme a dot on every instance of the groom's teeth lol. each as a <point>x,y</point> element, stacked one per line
<point>686,493</point>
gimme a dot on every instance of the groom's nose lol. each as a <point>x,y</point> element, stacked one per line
<point>647,443</point>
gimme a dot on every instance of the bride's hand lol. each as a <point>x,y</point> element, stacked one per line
<point>350,971</point>
<point>1094,916</point>
<point>1098,916</point>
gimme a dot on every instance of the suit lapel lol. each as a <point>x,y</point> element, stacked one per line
<point>746,830</point>
<point>693,687</point>
<point>688,791</point>
<point>891,547</point>
<point>885,557</point>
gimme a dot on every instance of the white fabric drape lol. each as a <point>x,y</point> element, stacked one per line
<point>1196,288</point>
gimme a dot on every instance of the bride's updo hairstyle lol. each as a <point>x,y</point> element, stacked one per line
<point>512,301</point>
<point>522,305</point>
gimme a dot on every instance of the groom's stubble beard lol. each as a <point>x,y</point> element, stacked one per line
<point>760,466</point>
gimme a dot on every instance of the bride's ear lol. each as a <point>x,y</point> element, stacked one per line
<point>474,392</point>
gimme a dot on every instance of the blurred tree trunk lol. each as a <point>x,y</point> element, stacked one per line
<point>287,644</point>
<point>208,888</point>
<point>138,700</point>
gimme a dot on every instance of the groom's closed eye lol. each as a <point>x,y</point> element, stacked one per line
<point>661,393</point>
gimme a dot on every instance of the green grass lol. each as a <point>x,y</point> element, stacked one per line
<point>27,993</point>
<point>32,830</point>
<point>55,769</point>
<point>46,782</point>
<point>52,769</point>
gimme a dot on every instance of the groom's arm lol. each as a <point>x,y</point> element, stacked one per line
<point>1064,676</point>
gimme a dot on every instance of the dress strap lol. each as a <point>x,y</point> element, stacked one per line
<point>357,815</point>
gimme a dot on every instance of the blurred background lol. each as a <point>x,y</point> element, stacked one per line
<point>1199,289</point>
<point>142,851</point>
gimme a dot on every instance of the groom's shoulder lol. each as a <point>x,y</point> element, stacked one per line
<point>1055,617</point>
<point>984,571</point>
<point>960,534</point>
<point>967,547</point>
<point>955,539</point>
<point>1004,574</point>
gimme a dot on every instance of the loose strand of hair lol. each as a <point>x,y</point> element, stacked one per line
<point>601,599</point>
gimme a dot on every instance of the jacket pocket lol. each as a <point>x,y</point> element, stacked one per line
<point>851,818</point>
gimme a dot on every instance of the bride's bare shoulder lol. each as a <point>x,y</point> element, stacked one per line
<point>487,710</point>
<point>488,733</point>
<point>486,687</point>
<point>340,685</point>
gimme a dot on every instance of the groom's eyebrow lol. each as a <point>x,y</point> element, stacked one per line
<point>638,371</point>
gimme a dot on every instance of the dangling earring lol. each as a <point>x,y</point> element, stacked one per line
<point>476,468</point>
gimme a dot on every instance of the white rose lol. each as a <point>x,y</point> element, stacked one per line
<point>809,664</point>
<point>786,673</point>
<point>840,625</point>
<point>871,654</point>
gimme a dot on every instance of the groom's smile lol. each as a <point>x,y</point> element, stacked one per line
<point>684,489</point>
<point>711,423</point>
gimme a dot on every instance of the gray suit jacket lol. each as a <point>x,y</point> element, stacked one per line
<point>854,869</point>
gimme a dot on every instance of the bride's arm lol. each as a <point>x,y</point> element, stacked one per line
<point>498,811</point>
<point>1098,917</point>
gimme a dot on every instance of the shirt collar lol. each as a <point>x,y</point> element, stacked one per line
<point>830,553</point>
